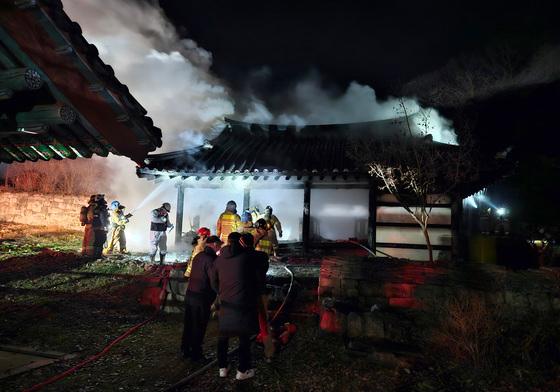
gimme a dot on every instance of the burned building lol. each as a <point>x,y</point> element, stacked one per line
<point>320,193</point>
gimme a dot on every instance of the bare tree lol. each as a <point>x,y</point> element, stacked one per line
<point>415,170</point>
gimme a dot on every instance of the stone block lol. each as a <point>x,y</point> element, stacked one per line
<point>351,293</point>
<point>330,282</point>
<point>370,289</point>
<point>349,284</point>
<point>354,325</point>
<point>399,290</point>
<point>539,302</point>
<point>516,299</point>
<point>327,291</point>
<point>373,325</point>
<point>379,302</point>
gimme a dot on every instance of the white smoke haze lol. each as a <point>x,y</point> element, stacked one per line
<point>170,77</point>
<point>311,103</point>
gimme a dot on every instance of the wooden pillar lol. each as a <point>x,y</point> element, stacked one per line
<point>179,217</point>
<point>306,215</point>
<point>372,218</point>
<point>246,198</point>
<point>458,246</point>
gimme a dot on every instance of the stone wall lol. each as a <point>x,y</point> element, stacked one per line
<point>389,299</point>
<point>42,210</point>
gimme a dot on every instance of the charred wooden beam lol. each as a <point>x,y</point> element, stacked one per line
<point>18,79</point>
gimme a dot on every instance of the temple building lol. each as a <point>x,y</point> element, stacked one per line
<point>318,191</point>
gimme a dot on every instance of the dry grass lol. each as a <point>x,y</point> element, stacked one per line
<point>469,332</point>
<point>23,240</point>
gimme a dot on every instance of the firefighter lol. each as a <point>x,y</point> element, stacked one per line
<point>199,244</point>
<point>87,242</point>
<point>158,231</point>
<point>273,225</point>
<point>262,238</point>
<point>118,223</point>
<point>199,299</point>
<point>95,220</point>
<point>228,222</point>
<point>247,222</point>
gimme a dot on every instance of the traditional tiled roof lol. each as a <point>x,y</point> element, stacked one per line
<point>57,97</point>
<point>272,150</point>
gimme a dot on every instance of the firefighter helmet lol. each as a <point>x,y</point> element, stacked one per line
<point>166,207</point>
<point>115,204</point>
<point>203,232</point>
<point>246,216</point>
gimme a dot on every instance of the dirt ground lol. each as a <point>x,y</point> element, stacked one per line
<point>53,299</point>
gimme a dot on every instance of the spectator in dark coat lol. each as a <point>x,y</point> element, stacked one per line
<point>260,259</point>
<point>234,279</point>
<point>198,300</point>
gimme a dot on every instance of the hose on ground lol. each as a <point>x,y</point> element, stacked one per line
<point>93,358</point>
<point>198,372</point>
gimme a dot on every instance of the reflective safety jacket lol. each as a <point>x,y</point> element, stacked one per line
<point>227,222</point>
<point>117,218</point>
<point>199,247</point>
<point>263,244</point>
<point>160,220</point>
<point>273,225</point>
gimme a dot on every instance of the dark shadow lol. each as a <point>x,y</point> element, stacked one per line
<point>42,264</point>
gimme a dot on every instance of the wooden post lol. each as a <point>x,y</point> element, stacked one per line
<point>246,198</point>
<point>179,217</point>
<point>306,215</point>
<point>372,218</point>
<point>457,241</point>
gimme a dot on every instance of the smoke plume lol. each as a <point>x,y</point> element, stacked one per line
<point>169,76</point>
<point>309,102</point>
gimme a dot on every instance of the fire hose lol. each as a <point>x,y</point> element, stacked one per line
<point>186,380</point>
<point>368,249</point>
<point>93,358</point>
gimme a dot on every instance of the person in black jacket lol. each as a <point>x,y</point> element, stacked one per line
<point>198,300</point>
<point>234,279</point>
<point>260,260</point>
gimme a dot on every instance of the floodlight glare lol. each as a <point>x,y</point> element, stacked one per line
<point>501,211</point>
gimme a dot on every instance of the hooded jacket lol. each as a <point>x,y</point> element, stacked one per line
<point>199,281</point>
<point>234,278</point>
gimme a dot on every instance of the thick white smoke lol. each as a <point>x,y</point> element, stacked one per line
<point>309,102</point>
<point>170,77</point>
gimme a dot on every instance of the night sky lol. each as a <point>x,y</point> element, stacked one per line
<point>387,44</point>
<point>382,44</point>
